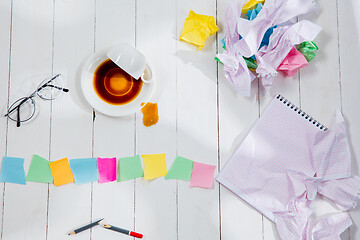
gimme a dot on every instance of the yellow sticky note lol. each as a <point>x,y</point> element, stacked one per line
<point>197,28</point>
<point>251,5</point>
<point>154,165</point>
<point>61,172</point>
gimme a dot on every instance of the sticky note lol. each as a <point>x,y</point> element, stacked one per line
<point>130,168</point>
<point>84,170</point>
<point>12,170</point>
<point>266,38</point>
<point>292,63</point>
<point>258,8</point>
<point>61,172</point>
<point>308,49</point>
<point>251,14</point>
<point>154,165</point>
<point>197,28</point>
<point>107,169</point>
<point>39,171</point>
<point>251,5</point>
<point>202,175</point>
<point>180,169</point>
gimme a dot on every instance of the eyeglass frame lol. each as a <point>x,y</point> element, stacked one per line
<point>30,97</point>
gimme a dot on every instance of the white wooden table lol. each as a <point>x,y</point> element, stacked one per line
<point>201,117</point>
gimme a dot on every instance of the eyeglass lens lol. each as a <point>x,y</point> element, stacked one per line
<point>51,88</point>
<point>24,109</point>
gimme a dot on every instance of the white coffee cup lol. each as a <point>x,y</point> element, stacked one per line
<point>131,61</point>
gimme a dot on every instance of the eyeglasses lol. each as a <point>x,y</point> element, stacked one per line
<point>49,89</point>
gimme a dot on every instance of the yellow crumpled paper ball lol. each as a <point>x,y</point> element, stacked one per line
<point>197,28</point>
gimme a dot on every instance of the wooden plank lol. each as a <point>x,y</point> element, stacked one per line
<point>349,44</point>
<point>72,125</point>
<point>198,208</point>
<point>31,57</point>
<point>5,33</point>
<point>155,201</point>
<point>319,81</point>
<point>236,116</point>
<point>320,93</point>
<point>289,88</point>
<point>115,23</point>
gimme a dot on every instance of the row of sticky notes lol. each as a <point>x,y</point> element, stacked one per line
<point>85,170</point>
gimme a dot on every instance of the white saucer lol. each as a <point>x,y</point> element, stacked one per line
<point>95,101</point>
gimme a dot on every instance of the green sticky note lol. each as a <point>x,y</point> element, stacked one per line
<point>251,63</point>
<point>217,59</point>
<point>39,171</point>
<point>180,169</point>
<point>130,168</point>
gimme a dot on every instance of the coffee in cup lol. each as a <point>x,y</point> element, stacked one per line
<point>119,79</point>
<point>114,85</point>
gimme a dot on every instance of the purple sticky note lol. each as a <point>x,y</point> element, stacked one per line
<point>202,175</point>
<point>107,169</point>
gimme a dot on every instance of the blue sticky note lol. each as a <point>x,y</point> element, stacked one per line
<point>12,170</point>
<point>223,42</point>
<point>248,13</point>
<point>84,170</point>
<point>251,14</point>
<point>258,8</point>
<point>266,38</point>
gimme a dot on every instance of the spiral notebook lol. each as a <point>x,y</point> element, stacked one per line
<point>284,153</point>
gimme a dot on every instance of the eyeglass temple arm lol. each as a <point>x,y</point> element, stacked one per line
<point>46,84</point>
<point>60,88</point>
<point>18,117</point>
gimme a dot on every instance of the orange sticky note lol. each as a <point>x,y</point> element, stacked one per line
<point>154,165</point>
<point>61,172</point>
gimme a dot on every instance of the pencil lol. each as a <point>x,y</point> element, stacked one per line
<point>121,230</point>
<point>86,227</point>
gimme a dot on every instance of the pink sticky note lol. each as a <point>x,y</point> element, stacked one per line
<point>107,169</point>
<point>202,175</point>
<point>292,63</point>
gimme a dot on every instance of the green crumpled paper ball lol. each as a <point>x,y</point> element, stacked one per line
<point>308,49</point>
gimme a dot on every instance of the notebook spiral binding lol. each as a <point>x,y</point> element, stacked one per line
<point>300,112</point>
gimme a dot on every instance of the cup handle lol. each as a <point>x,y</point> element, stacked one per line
<point>147,76</point>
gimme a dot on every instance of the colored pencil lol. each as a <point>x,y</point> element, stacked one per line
<point>121,230</point>
<point>76,231</point>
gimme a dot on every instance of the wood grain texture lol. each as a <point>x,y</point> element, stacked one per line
<point>71,123</point>
<point>320,93</point>
<point>236,116</point>
<point>201,116</point>
<point>197,126</point>
<point>30,60</point>
<point>5,51</point>
<point>349,49</point>
<point>114,137</point>
<point>155,200</point>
